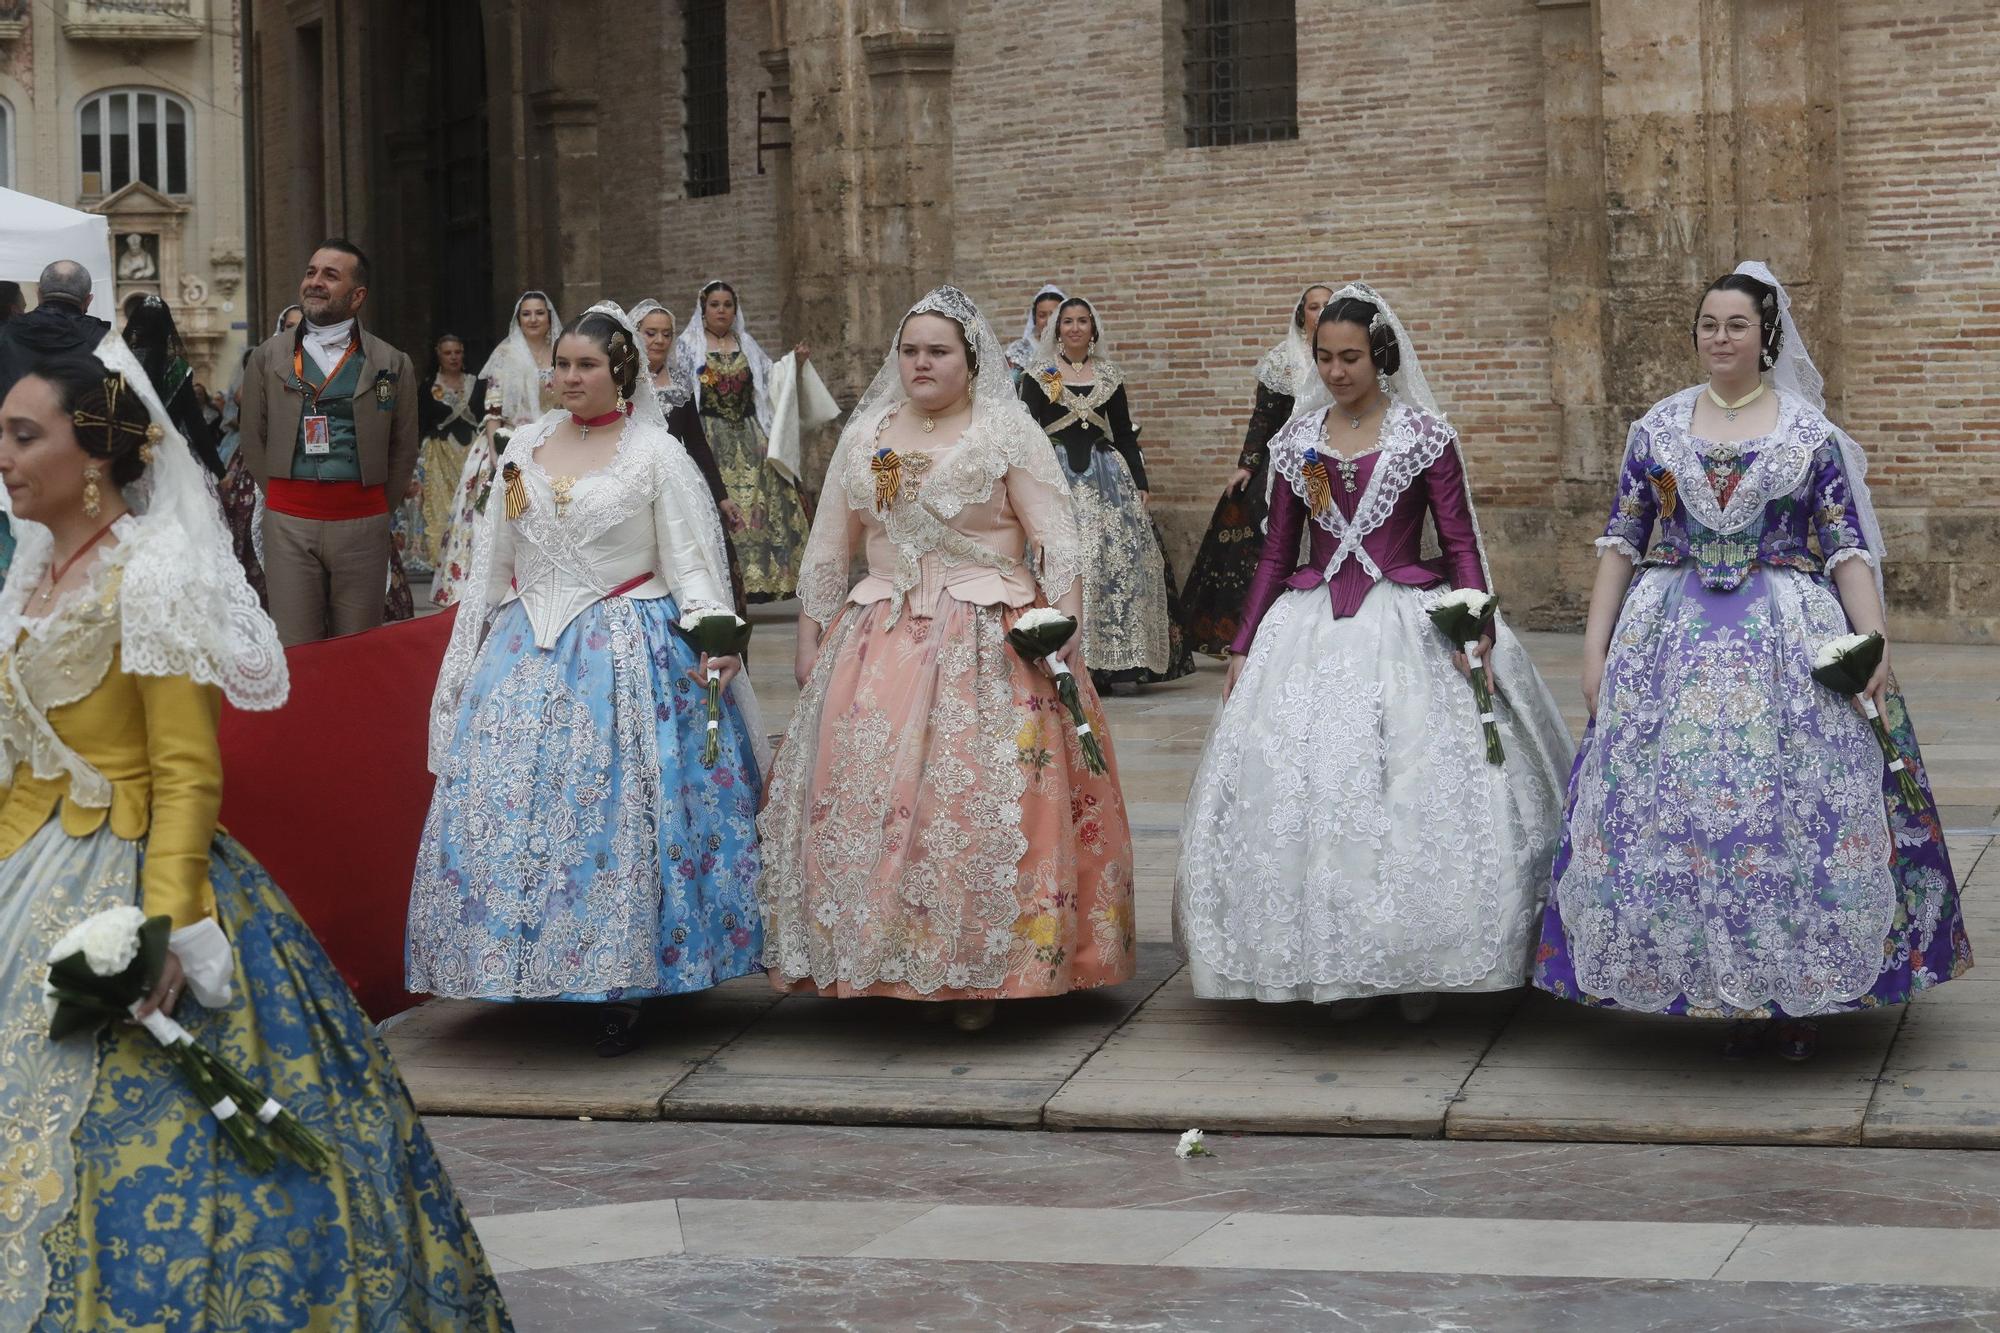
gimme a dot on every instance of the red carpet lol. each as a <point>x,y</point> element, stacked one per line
<point>330,791</point>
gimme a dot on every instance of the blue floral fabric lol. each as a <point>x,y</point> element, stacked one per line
<point>170,1230</point>
<point>577,848</point>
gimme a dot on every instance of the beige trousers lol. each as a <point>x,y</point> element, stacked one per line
<point>326,578</point>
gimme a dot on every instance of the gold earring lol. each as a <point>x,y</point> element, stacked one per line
<point>93,501</point>
<point>623,406</point>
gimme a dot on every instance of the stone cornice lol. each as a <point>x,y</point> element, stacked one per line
<point>908,52</point>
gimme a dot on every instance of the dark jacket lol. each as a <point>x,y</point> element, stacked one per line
<point>51,329</point>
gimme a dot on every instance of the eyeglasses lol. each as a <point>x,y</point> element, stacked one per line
<point>1736,329</point>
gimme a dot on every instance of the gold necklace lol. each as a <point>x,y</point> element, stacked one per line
<point>1729,410</point>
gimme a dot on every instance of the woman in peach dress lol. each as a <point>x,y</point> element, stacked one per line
<point>932,830</point>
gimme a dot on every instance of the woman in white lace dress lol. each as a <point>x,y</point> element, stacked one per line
<point>933,831</point>
<point>578,848</point>
<point>1346,837</point>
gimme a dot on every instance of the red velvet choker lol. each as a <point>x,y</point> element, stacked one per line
<point>592,423</point>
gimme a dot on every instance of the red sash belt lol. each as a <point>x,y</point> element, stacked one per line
<point>618,591</point>
<point>327,501</point>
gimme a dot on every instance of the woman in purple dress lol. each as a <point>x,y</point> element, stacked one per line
<point>1735,846</point>
<point>1345,836</point>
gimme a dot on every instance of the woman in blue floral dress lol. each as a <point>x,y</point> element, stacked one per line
<point>577,846</point>
<point>1735,845</point>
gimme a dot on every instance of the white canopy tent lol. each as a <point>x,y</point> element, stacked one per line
<point>34,233</point>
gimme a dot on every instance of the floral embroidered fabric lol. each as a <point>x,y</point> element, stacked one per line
<point>1733,843</point>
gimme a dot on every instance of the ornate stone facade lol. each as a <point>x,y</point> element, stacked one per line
<point>1543,186</point>
<point>133,108</point>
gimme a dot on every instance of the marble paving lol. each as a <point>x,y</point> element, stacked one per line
<point>689,1226</point>
<point>1148,1055</point>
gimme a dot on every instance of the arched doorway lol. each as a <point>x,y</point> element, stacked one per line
<point>461,222</point>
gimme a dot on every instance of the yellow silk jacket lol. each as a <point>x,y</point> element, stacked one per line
<point>139,751</point>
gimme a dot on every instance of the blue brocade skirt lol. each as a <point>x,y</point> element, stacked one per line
<point>138,1214</point>
<point>576,847</point>
<point>1734,844</point>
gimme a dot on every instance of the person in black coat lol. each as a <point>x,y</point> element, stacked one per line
<point>57,327</point>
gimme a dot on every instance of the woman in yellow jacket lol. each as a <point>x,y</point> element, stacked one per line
<point>124,622</point>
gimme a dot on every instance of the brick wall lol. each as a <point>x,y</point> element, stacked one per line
<point>658,242</point>
<point>1921,382</point>
<point>1418,166</point>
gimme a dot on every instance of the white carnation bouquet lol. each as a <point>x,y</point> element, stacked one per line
<point>1038,635</point>
<point>1463,616</point>
<point>1845,665</point>
<point>103,969</point>
<point>716,634</point>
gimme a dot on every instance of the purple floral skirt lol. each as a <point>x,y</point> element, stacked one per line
<point>1734,845</point>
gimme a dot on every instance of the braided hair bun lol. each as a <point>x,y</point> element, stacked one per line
<point>110,419</point>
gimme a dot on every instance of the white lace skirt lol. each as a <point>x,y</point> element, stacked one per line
<point>1345,835</point>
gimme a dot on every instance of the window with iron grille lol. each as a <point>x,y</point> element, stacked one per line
<point>1240,71</point>
<point>705,96</point>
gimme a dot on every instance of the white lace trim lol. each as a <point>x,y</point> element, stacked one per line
<point>1620,545</point>
<point>1410,441</point>
<point>1782,459</point>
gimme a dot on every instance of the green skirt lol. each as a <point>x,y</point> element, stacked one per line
<point>774,513</point>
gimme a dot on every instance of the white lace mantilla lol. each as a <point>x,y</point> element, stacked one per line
<point>1278,368</point>
<point>184,606</point>
<point>1001,437</point>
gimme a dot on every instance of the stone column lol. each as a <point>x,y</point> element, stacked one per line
<point>777,63</point>
<point>906,221</point>
<point>1720,144</point>
<point>1579,272</point>
<point>563,187</point>
<point>1683,137</point>
<point>869,217</point>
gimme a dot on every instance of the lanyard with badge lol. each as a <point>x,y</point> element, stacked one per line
<point>318,428</point>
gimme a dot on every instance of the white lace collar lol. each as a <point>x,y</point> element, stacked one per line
<point>1409,441</point>
<point>1782,459</point>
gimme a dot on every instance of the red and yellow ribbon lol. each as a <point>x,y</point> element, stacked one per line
<point>887,465</point>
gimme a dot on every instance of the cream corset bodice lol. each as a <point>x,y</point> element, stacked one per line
<point>626,528</point>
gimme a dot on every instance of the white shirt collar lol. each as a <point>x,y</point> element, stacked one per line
<point>325,342</point>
